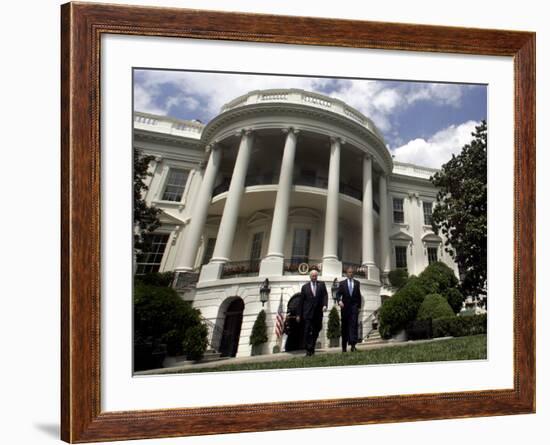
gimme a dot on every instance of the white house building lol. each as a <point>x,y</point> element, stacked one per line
<point>279,182</point>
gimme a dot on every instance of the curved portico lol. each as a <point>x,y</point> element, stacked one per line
<point>275,139</point>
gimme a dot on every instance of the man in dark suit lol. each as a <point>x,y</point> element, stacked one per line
<point>313,302</point>
<point>349,294</point>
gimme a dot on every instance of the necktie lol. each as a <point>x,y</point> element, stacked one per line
<point>314,288</point>
<point>350,286</point>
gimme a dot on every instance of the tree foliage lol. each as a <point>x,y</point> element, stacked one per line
<point>461,211</point>
<point>161,316</point>
<point>145,217</point>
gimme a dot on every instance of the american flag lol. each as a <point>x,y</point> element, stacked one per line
<point>280,321</point>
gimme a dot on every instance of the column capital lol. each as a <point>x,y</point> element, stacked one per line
<point>287,130</point>
<point>367,156</point>
<point>212,146</point>
<point>338,139</point>
<point>244,131</point>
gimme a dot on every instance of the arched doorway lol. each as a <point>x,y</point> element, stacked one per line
<point>295,340</point>
<point>231,333</point>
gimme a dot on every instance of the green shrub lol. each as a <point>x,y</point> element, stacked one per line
<point>400,309</point>
<point>398,277</point>
<point>333,328</point>
<point>454,298</point>
<point>437,278</point>
<point>259,330</point>
<point>162,279</point>
<point>460,326</point>
<point>434,306</point>
<point>162,317</point>
<point>195,342</point>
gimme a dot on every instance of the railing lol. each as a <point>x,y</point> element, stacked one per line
<point>249,181</point>
<point>358,270</point>
<point>349,190</point>
<point>301,265</point>
<point>246,268</point>
<point>215,333</point>
<point>169,125</point>
<point>309,98</point>
<point>310,181</point>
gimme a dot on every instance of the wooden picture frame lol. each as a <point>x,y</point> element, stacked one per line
<point>82,26</point>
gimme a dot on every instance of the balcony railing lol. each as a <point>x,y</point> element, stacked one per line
<point>317,181</point>
<point>308,98</point>
<point>246,268</point>
<point>301,265</point>
<point>358,270</point>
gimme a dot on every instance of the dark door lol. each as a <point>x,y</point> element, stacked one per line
<point>232,328</point>
<point>295,340</point>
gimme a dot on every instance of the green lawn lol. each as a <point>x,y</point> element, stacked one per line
<point>462,348</point>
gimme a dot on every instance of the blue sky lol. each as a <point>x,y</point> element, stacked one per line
<point>422,122</point>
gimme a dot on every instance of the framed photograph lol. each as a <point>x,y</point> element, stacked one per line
<point>274,222</point>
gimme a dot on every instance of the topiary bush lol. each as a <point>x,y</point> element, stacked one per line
<point>162,317</point>
<point>437,278</point>
<point>455,299</point>
<point>401,308</point>
<point>433,307</point>
<point>460,326</point>
<point>259,330</point>
<point>398,277</point>
<point>195,342</point>
<point>333,327</point>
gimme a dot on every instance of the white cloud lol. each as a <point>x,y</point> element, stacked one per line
<point>143,100</point>
<point>441,93</point>
<point>437,149</point>
<point>208,92</point>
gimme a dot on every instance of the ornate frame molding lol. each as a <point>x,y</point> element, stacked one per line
<point>82,26</point>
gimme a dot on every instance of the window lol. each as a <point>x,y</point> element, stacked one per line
<point>175,184</point>
<point>427,206</point>
<point>256,249</point>
<point>300,246</point>
<point>401,257</point>
<point>149,261</point>
<point>209,250</point>
<point>398,212</point>
<point>432,255</point>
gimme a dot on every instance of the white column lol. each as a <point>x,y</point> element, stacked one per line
<point>384,225</point>
<point>200,212</point>
<point>332,267</point>
<point>273,263</point>
<point>224,241</point>
<point>368,221</point>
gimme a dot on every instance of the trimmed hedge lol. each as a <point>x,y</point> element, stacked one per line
<point>434,306</point>
<point>162,317</point>
<point>460,326</point>
<point>398,277</point>
<point>334,327</point>
<point>398,311</point>
<point>259,330</point>
<point>437,278</point>
<point>161,279</point>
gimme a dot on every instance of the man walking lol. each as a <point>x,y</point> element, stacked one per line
<point>350,303</point>
<point>313,302</point>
